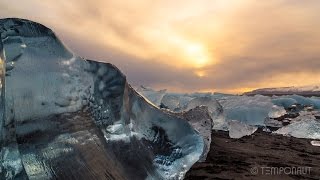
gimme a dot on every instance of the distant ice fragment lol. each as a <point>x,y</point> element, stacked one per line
<point>177,102</point>
<point>238,129</point>
<point>305,128</point>
<point>285,102</point>
<point>307,101</point>
<point>172,102</point>
<point>290,100</point>
<point>265,129</point>
<point>315,143</point>
<point>154,96</point>
<point>276,111</point>
<point>273,122</point>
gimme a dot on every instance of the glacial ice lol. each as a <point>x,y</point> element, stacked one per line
<point>154,96</point>
<point>238,129</point>
<point>285,102</point>
<point>307,128</point>
<point>315,143</point>
<point>214,108</point>
<point>273,123</point>
<point>276,111</point>
<point>64,117</point>
<point>174,102</point>
<point>288,101</point>
<point>177,102</point>
<point>307,101</point>
<point>306,125</point>
<point>251,110</point>
<point>240,114</point>
<point>200,119</point>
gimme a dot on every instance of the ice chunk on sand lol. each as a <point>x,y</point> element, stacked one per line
<point>251,110</point>
<point>315,143</point>
<point>277,111</point>
<point>306,128</point>
<point>238,129</point>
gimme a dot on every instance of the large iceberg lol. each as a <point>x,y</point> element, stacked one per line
<point>63,117</point>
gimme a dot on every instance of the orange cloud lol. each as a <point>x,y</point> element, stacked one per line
<point>190,45</point>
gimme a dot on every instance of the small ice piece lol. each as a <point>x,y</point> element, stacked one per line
<point>114,128</point>
<point>306,128</point>
<point>238,129</point>
<point>305,115</point>
<point>277,111</point>
<point>265,129</point>
<point>273,122</point>
<point>315,143</point>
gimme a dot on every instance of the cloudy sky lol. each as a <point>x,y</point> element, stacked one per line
<point>189,45</point>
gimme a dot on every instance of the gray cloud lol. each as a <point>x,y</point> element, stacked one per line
<point>254,44</point>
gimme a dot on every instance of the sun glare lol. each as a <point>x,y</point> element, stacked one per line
<point>197,55</point>
<point>190,53</point>
<point>200,74</point>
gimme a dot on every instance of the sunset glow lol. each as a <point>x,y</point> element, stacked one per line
<point>228,46</point>
<point>197,55</point>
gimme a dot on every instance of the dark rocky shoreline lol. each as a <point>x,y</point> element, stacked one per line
<point>252,157</point>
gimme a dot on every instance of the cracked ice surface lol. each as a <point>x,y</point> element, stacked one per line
<point>64,117</point>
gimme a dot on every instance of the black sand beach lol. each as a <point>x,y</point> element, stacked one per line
<point>261,156</point>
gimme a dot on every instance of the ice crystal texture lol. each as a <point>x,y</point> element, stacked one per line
<point>64,117</point>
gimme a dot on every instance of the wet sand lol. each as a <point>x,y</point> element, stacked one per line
<point>261,156</point>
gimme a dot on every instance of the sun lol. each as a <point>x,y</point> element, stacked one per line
<point>200,74</point>
<point>190,53</point>
<point>197,55</point>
